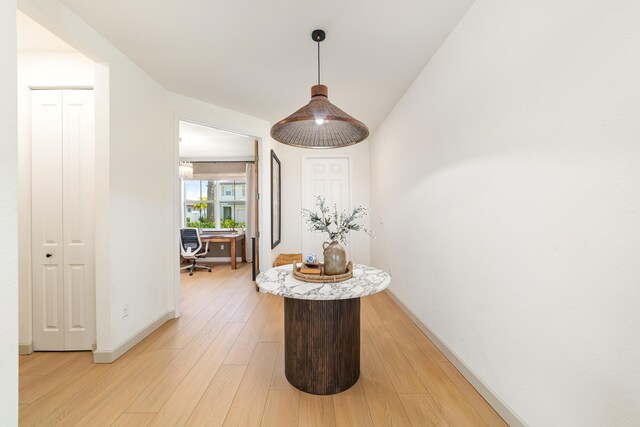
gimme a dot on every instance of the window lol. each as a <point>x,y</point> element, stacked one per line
<point>226,213</point>
<point>199,203</point>
<point>240,189</point>
<point>214,204</point>
<point>227,191</point>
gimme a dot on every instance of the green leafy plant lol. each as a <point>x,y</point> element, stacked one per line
<point>230,223</point>
<point>201,206</point>
<point>201,223</point>
<point>336,225</point>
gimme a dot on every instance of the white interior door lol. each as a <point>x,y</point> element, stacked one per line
<point>78,218</point>
<point>47,250</point>
<point>63,219</point>
<point>327,177</point>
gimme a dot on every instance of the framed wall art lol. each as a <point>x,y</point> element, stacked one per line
<point>276,200</point>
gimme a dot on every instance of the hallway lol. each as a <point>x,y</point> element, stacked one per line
<point>222,363</point>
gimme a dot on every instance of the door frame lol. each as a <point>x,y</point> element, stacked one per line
<point>26,167</point>
<point>177,195</point>
<point>303,187</point>
<point>102,141</point>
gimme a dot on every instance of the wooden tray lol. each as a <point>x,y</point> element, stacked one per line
<point>322,278</point>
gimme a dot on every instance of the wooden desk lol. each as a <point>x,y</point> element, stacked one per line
<point>228,238</point>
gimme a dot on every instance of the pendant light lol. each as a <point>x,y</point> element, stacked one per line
<point>185,170</point>
<point>319,124</point>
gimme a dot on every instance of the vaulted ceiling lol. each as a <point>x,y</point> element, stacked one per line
<point>32,37</point>
<point>257,57</point>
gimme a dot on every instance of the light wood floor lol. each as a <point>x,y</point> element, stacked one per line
<point>222,363</point>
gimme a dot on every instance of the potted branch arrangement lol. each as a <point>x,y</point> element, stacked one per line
<point>337,226</point>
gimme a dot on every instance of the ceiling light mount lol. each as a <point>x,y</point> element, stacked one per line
<point>318,35</point>
<point>319,124</point>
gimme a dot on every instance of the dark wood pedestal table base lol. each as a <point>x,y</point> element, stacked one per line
<point>322,326</point>
<point>322,344</point>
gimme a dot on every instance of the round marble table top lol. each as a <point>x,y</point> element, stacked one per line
<point>365,281</point>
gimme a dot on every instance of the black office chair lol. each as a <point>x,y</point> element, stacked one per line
<point>191,249</point>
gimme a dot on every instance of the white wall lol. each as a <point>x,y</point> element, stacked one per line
<point>141,169</point>
<point>509,173</point>
<point>291,159</point>
<point>38,70</point>
<point>8,217</point>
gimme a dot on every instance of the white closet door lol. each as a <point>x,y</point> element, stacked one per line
<point>46,228</point>
<point>327,177</point>
<point>62,219</point>
<point>78,218</point>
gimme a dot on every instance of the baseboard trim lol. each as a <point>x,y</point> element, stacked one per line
<point>487,392</point>
<point>25,349</point>
<point>103,356</point>
<point>219,259</point>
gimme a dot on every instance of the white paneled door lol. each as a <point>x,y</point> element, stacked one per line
<point>327,177</point>
<point>62,192</point>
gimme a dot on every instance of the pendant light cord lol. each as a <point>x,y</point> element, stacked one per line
<point>318,62</point>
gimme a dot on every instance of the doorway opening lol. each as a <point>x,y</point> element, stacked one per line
<point>56,166</point>
<point>218,204</point>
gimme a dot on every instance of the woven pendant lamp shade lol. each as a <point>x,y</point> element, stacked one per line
<point>319,124</point>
